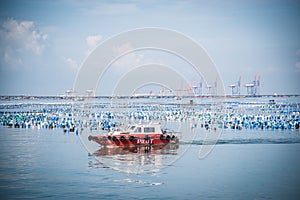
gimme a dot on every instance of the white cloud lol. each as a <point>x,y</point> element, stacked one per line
<point>18,38</point>
<point>14,61</point>
<point>123,48</point>
<point>93,40</point>
<point>72,63</point>
<point>131,59</point>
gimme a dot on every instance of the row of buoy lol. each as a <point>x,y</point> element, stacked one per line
<point>283,117</point>
<point>238,122</point>
<point>246,121</point>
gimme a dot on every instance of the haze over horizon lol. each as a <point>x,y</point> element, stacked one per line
<point>44,43</point>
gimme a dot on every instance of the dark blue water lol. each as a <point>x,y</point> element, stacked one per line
<point>48,164</point>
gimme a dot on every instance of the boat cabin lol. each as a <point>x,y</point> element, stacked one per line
<point>144,129</point>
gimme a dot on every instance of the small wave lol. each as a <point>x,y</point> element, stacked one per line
<point>244,141</point>
<point>128,180</point>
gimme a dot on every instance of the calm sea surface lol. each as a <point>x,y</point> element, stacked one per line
<point>50,164</point>
<point>244,164</point>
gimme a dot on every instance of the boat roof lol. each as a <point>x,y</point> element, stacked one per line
<point>145,125</point>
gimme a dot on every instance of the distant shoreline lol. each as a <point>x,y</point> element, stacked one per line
<point>7,97</point>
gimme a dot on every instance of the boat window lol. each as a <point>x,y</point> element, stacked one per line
<point>149,129</point>
<point>138,130</point>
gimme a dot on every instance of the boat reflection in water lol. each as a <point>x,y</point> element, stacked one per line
<point>137,159</point>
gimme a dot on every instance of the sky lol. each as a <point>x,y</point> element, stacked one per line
<point>44,43</point>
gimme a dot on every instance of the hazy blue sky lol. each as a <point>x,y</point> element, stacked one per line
<point>43,43</point>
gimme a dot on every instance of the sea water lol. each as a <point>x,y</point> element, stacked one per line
<point>243,164</point>
<point>50,164</point>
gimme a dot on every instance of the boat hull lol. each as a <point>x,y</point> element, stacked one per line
<point>131,140</point>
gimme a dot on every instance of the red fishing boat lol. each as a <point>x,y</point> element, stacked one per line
<point>137,135</point>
